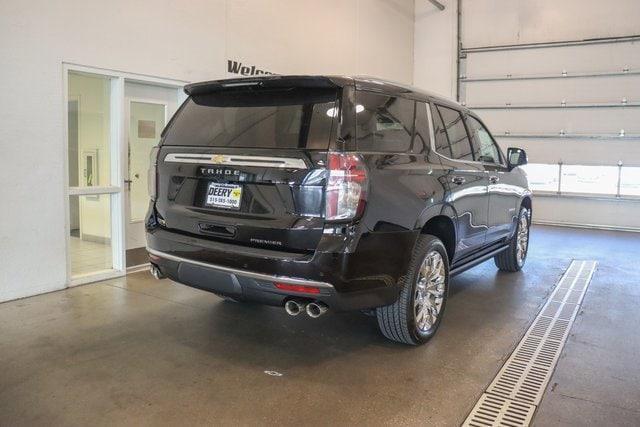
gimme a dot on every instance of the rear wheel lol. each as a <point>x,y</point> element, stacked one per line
<point>415,316</point>
<point>514,257</point>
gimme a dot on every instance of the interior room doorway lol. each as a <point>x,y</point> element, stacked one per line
<point>148,108</point>
<point>113,120</point>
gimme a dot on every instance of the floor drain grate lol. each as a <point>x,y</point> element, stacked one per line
<point>497,411</point>
<point>512,397</point>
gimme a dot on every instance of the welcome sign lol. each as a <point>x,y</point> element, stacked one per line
<point>237,67</point>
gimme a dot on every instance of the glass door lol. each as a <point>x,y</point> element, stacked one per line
<point>93,190</point>
<point>148,109</point>
<point>113,121</point>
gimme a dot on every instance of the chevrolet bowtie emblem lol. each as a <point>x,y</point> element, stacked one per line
<point>218,158</point>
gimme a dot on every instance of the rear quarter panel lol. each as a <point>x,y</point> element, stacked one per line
<point>405,191</point>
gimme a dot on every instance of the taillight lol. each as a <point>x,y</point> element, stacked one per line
<point>346,193</point>
<point>152,174</point>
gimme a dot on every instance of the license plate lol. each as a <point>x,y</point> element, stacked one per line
<point>224,196</point>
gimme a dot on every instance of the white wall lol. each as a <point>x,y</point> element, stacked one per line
<point>182,40</point>
<point>435,51</point>
<point>371,37</point>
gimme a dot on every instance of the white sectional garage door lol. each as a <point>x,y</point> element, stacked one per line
<point>575,108</point>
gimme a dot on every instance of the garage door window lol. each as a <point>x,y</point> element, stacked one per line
<point>542,177</point>
<point>630,181</point>
<point>584,179</point>
<point>457,133</point>
<point>589,179</point>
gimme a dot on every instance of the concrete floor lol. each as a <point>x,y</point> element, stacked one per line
<point>138,351</point>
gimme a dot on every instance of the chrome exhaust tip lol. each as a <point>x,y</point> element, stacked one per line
<point>316,309</point>
<point>156,273</point>
<point>293,307</point>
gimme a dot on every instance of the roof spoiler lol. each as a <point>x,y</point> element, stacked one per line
<point>261,82</point>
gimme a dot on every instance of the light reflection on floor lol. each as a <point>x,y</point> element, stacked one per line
<point>89,257</point>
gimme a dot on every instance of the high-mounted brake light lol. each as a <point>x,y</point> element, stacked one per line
<point>346,194</point>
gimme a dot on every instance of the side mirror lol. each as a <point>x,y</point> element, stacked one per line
<point>516,157</point>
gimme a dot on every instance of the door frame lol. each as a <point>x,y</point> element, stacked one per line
<point>127,124</point>
<point>118,163</point>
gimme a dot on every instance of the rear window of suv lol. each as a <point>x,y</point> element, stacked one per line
<point>384,123</point>
<point>284,118</point>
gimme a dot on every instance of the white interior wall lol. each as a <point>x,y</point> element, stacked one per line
<point>370,37</point>
<point>435,50</point>
<point>181,40</point>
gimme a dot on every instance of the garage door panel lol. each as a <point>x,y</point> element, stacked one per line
<point>573,59</point>
<point>569,120</point>
<point>508,22</point>
<point>553,91</point>
<point>575,100</point>
<point>577,151</point>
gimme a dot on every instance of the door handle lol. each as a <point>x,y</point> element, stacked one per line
<point>128,182</point>
<point>458,180</point>
<point>493,179</point>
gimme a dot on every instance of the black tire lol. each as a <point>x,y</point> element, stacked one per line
<point>508,260</point>
<point>397,321</point>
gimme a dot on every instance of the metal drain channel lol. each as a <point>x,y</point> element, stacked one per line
<point>514,394</point>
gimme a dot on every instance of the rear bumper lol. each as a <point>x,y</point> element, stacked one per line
<point>365,278</point>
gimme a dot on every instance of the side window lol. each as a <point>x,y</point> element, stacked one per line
<point>383,123</point>
<point>421,139</point>
<point>440,133</point>
<point>484,147</point>
<point>457,133</point>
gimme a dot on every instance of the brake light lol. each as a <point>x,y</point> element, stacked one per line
<point>297,288</point>
<point>346,193</point>
<point>152,176</point>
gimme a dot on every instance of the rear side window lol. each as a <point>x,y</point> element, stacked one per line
<point>421,139</point>
<point>383,123</point>
<point>457,133</point>
<point>440,133</point>
<point>259,118</point>
<point>484,147</point>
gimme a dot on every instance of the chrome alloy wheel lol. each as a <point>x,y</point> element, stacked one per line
<point>522,243</point>
<point>429,294</point>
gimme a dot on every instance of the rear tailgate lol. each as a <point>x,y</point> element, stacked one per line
<point>248,166</point>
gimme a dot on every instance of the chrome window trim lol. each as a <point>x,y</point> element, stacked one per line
<point>433,142</point>
<point>244,273</point>
<point>236,160</point>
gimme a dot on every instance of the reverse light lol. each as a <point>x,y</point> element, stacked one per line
<point>346,194</point>
<point>297,288</point>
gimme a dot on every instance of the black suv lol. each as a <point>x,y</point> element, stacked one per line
<point>325,193</point>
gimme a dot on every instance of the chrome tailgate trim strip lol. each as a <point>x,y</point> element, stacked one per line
<point>236,160</point>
